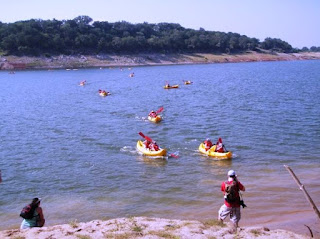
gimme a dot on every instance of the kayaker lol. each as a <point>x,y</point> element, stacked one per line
<point>220,147</point>
<point>146,144</point>
<point>154,146</point>
<point>232,199</point>
<point>167,86</point>
<point>207,144</point>
<point>153,114</point>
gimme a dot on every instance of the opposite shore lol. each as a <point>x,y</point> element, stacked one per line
<point>112,60</point>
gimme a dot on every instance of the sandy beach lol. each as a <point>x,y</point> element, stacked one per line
<point>112,60</point>
<point>144,227</point>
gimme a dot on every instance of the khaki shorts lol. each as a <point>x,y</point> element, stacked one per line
<point>234,212</point>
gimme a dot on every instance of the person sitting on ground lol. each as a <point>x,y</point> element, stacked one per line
<point>153,114</point>
<point>220,147</point>
<point>207,144</point>
<point>38,219</point>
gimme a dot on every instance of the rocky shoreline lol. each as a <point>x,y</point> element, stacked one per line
<point>145,227</point>
<point>112,60</point>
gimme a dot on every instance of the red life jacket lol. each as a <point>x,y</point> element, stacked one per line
<point>219,148</point>
<point>146,144</point>
<point>208,144</point>
<point>154,146</point>
<point>153,114</point>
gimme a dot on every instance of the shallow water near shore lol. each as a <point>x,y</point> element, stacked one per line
<point>76,150</point>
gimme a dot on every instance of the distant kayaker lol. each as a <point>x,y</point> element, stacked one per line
<point>153,146</point>
<point>232,199</point>
<point>207,144</point>
<point>153,114</point>
<point>220,147</point>
<point>146,144</point>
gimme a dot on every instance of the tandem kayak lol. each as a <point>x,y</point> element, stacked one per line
<point>155,119</point>
<point>171,87</point>
<point>211,152</point>
<point>148,152</point>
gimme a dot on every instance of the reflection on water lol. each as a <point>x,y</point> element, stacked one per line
<point>75,149</point>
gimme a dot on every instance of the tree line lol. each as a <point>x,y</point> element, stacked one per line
<point>82,35</point>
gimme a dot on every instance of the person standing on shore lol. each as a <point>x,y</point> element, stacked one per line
<point>231,204</point>
<point>37,218</point>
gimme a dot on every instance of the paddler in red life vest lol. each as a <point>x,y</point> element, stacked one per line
<point>153,114</point>
<point>154,146</point>
<point>207,144</point>
<point>220,147</point>
<point>146,144</point>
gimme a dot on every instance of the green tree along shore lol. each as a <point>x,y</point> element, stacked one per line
<point>82,35</point>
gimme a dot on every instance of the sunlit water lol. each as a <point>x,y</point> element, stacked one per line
<point>76,150</point>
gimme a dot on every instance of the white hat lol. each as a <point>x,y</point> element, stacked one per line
<point>231,173</point>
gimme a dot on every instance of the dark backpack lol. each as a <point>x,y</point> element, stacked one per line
<point>231,192</point>
<point>27,212</point>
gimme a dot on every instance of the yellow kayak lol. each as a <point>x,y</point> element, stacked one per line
<point>155,119</point>
<point>188,82</point>
<point>148,152</point>
<point>211,152</point>
<point>171,87</point>
<point>104,94</point>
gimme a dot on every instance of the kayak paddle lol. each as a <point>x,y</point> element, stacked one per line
<point>174,155</point>
<point>159,110</point>
<point>145,137</point>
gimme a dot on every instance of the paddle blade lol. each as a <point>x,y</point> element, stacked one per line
<point>174,155</point>
<point>159,110</point>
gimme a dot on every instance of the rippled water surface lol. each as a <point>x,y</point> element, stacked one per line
<point>76,150</point>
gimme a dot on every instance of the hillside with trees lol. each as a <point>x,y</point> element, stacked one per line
<point>82,35</point>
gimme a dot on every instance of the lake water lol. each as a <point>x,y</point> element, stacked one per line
<point>76,150</point>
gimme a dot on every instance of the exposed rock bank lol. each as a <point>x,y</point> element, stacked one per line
<point>143,227</point>
<point>111,60</point>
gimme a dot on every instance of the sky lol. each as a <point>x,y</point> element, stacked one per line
<point>293,21</point>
